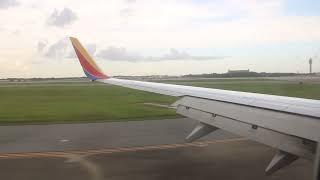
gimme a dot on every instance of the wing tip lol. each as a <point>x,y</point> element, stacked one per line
<point>90,68</point>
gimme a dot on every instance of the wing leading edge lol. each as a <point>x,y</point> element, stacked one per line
<point>285,123</point>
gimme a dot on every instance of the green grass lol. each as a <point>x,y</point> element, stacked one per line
<point>92,102</point>
<point>78,103</point>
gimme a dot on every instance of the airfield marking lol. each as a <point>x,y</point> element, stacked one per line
<point>111,151</point>
<point>64,140</point>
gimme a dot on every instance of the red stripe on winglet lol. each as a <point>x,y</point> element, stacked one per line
<point>88,67</point>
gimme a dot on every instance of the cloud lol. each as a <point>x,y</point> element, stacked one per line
<point>127,12</point>
<point>41,45</point>
<point>61,49</point>
<point>180,55</point>
<point>118,54</point>
<point>121,54</point>
<point>58,49</point>
<point>130,1</point>
<point>62,18</point>
<point>5,4</point>
<point>91,49</point>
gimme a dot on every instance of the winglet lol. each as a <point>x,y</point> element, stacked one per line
<point>89,67</point>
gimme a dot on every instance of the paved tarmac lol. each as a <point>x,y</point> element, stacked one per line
<point>134,150</point>
<point>66,137</point>
<point>221,160</point>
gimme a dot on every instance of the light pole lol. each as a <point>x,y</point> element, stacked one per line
<point>310,64</point>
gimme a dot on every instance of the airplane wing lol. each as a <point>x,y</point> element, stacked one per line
<point>291,125</point>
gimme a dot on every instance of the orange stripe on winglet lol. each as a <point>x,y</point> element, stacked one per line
<point>81,49</point>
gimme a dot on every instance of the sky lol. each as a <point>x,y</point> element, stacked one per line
<point>164,37</point>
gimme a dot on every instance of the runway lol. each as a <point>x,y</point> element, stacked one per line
<point>224,160</point>
<point>134,150</point>
<point>67,137</point>
<point>88,152</point>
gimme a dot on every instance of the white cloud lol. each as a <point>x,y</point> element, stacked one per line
<point>5,4</point>
<point>62,18</point>
<point>130,1</point>
<point>61,49</point>
<point>41,45</point>
<point>91,49</point>
<point>122,54</point>
<point>58,49</point>
<point>119,54</point>
<point>180,55</point>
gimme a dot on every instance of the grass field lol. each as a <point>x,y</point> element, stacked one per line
<point>89,102</point>
<point>43,103</point>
